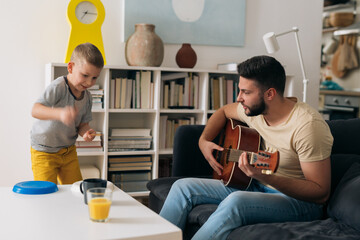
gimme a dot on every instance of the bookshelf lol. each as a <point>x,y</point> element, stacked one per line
<point>110,117</point>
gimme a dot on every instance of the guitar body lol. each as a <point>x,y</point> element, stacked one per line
<point>236,136</point>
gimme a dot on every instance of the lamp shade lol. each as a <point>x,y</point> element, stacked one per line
<point>270,42</point>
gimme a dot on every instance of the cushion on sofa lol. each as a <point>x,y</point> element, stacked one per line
<point>340,163</point>
<point>160,187</point>
<point>327,229</point>
<point>200,213</point>
<point>344,205</point>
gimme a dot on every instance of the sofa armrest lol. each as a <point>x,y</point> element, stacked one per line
<point>188,160</point>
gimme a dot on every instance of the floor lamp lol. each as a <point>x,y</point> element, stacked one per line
<point>272,46</point>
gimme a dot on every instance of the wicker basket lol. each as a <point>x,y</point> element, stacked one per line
<point>341,19</point>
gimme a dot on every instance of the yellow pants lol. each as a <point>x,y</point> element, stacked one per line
<point>62,166</point>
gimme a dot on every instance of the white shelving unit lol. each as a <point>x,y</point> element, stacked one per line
<point>107,118</point>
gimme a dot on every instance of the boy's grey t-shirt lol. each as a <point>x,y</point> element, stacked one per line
<point>51,135</point>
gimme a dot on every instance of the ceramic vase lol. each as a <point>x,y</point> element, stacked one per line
<point>186,56</point>
<point>144,47</point>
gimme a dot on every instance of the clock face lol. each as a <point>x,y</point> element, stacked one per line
<point>86,12</point>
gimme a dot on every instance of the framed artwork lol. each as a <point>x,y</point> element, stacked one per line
<point>201,22</point>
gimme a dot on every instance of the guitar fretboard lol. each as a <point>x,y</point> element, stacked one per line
<point>233,155</point>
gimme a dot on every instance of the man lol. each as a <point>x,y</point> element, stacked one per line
<point>300,187</point>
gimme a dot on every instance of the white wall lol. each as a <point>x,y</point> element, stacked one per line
<point>35,32</point>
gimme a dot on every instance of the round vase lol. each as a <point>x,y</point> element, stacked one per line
<point>144,47</point>
<point>186,56</point>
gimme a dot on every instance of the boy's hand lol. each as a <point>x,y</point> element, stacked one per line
<point>68,115</point>
<point>89,135</point>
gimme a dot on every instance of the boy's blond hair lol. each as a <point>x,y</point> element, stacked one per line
<point>89,53</point>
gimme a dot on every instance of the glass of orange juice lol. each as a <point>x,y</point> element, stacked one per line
<point>99,202</point>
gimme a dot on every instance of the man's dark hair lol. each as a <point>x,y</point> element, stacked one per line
<point>266,71</point>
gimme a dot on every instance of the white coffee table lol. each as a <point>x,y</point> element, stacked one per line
<point>63,215</point>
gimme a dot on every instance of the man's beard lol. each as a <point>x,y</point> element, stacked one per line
<point>257,109</point>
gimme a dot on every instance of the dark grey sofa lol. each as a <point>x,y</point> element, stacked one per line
<point>342,213</point>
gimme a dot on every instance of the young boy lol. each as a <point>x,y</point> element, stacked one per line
<point>62,113</point>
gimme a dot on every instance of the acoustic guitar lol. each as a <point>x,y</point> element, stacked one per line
<point>237,138</point>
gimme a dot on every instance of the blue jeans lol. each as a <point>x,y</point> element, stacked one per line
<point>258,204</point>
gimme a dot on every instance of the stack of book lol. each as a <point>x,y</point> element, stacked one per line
<point>168,128</point>
<point>130,173</point>
<point>180,90</point>
<point>222,91</point>
<point>94,146</point>
<point>122,139</point>
<point>97,96</point>
<point>133,91</point>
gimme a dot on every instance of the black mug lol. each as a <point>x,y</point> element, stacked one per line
<point>91,183</point>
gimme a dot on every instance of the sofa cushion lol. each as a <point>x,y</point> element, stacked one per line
<point>160,187</point>
<point>200,213</point>
<point>340,163</point>
<point>327,229</point>
<point>344,205</point>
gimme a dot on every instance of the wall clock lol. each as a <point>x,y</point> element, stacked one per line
<point>85,18</point>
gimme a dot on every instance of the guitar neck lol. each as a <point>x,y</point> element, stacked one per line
<point>233,155</point>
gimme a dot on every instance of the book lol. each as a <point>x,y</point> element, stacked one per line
<point>97,105</point>
<point>131,164</point>
<point>172,93</point>
<point>128,93</point>
<point>132,143</point>
<point>229,91</point>
<point>112,93</point>
<point>111,138</point>
<point>186,92</point>
<point>96,91</point>
<point>196,91</point>
<point>173,76</point>
<point>126,146</point>
<point>89,149</point>
<point>129,159</point>
<point>133,97</point>
<point>216,93</point>
<point>145,89</point>
<point>130,132</point>
<point>122,149</point>
<point>80,142</point>
<point>137,90</point>
<point>132,186</point>
<point>123,92</point>
<point>117,92</point>
<point>211,94</point>
<point>116,177</point>
<point>88,144</point>
<point>162,136</point>
<point>166,96</point>
<point>132,168</point>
